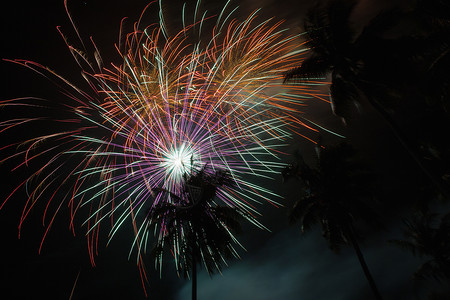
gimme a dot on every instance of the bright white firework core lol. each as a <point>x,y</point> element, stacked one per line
<point>178,162</point>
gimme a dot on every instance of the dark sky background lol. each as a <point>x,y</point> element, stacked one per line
<point>277,265</point>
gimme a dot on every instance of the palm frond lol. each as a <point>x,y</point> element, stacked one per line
<point>230,217</point>
<point>314,67</point>
<point>327,26</point>
<point>344,97</point>
<point>310,218</point>
<point>429,269</point>
<point>301,207</point>
<point>196,230</point>
<point>315,24</point>
<point>405,245</point>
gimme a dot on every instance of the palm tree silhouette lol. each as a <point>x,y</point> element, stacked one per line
<point>425,239</point>
<point>333,51</point>
<point>194,228</point>
<point>432,51</point>
<point>356,73</point>
<point>333,194</point>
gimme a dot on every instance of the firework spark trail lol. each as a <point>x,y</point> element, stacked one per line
<point>175,105</point>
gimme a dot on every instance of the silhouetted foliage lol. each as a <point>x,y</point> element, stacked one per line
<point>192,225</point>
<point>425,238</point>
<point>333,196</point>
<point>385,73</point>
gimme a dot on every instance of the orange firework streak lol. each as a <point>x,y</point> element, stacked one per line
<point>233,72</point>
<point>221,95</point>
<point>238,68</point>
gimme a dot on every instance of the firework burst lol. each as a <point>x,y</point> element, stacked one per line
<point>176,104</point>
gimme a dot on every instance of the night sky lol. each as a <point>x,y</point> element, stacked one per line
<point>280,264</point>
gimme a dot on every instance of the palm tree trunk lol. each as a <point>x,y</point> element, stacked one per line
<point>194,277</point>
<point>362,261</point>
